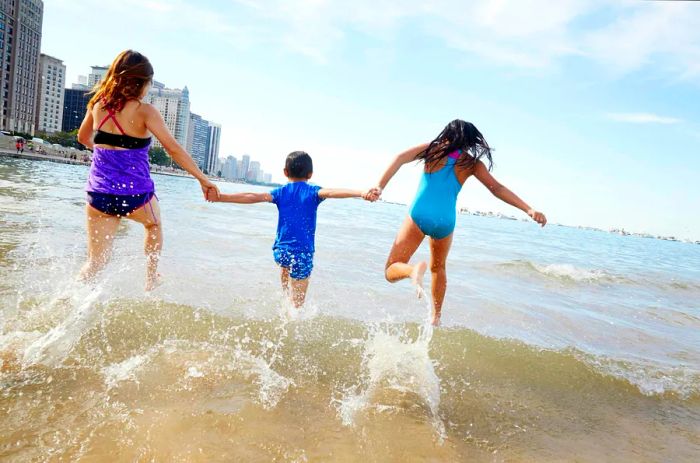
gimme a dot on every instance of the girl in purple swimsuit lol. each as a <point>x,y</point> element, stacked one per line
<point>118,128</point>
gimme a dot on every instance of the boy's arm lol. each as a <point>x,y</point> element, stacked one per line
<point>326,193</point>
<point>245,198</point>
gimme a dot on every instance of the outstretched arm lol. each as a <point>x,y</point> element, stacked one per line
<point>245,198</point>
<point>339,193</point>
<point>504,194</point>
<point>156,125</point>
<point>407,156</point>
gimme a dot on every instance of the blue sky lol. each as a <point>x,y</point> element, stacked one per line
<point>593,107</point>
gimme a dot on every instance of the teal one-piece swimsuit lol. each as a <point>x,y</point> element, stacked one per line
<point>434,208</point>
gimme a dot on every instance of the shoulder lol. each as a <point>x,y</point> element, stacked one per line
<point>278,192</point>
<point>311,189</point>
<point>144,108</point>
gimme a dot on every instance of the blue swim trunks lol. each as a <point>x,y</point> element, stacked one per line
<point>299,263</point>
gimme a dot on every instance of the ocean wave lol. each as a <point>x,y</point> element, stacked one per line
<point>571,274</point>
<point>183,361</point>
<point>562,272</point>
<point>123,341</point>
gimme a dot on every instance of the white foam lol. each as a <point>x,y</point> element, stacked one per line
<point>393,361</point>
<point>572,272</point>
<point>124,370</point>
<point>55,345</point>
<point>272,385</point>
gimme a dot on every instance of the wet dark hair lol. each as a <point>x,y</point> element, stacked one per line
<point>299,165</point>
<point>458,135</point>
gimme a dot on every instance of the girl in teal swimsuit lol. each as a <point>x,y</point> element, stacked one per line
<point>450,159</point>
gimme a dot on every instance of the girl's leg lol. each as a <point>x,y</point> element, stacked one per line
<point>298,288</point>
<point>100,234</point>
<point>407,241</point>
<point>438,258</point>
<point>149,216</point>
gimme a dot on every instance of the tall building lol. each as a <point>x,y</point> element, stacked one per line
<point>52,77</point>
<point>197,136</point>
<point>174,105</point>
<point>253,171</point>
<point>230,168</point>
<point>267,178</point>
<point>20,43</point>
<point>213,138</point>
<point>97,74</point>
<point>243,172</point>
<point>75,103</point>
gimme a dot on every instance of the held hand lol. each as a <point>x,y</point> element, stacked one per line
<point>210,191</point>
<point>371,195</point>
<point>537,217</point>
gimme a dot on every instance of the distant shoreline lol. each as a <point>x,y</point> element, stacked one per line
<point>156,170</point>
<point>495,215</point>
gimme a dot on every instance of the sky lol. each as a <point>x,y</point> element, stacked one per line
<point>593,107</point>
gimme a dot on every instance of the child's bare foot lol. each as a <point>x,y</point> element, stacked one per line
<point>417,277</point>
<point>152,282</point>
<point>436,319</point>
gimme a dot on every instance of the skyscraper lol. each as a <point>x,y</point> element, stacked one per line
<point>52,77</point>
<point>230,169</point>
<point>75,103</point>
<point>213,138</point>
<point>197,137</point>
<point>174,106</point>
<point>97,74</point>
<point>20,43</point>
<point>253,171</point>
<point>243,173</point>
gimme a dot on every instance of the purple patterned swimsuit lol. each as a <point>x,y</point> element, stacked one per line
<point>120,180</point>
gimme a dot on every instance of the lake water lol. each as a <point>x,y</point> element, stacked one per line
<point>557,344</point>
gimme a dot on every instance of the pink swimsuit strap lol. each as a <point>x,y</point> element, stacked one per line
<point>455,154</point>
<point>111,114</point>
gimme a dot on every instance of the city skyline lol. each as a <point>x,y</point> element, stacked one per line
<point>20,48</point>
<point>592,106</point>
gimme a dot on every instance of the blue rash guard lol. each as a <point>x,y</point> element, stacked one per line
<point>294,248</point>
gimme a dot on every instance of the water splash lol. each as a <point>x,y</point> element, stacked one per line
<point>392,360</point>
<point>52,348</point>
<point>123,371</point>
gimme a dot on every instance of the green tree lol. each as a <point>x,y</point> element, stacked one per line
<point>67,139</point>
<point>158,156</point>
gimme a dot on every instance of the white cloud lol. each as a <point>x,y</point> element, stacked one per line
<point>621,37</point>
<point>661,34</point>
<point>642,118</point>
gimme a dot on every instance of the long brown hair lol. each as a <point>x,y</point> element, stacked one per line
<point>129,73</point>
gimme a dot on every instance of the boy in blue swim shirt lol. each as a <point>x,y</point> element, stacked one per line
<point>297,202</point>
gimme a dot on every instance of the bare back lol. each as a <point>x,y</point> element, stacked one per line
<point>131,118</point>
<point>462,173</point>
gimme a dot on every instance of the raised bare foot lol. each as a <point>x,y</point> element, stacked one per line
<point>417,277</point>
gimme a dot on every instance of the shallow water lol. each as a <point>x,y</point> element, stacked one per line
<point>557,344</point>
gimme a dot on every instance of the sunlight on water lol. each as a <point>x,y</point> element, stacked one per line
<point>549,356</point>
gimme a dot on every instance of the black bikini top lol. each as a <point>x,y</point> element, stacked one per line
<point>114,139</point>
